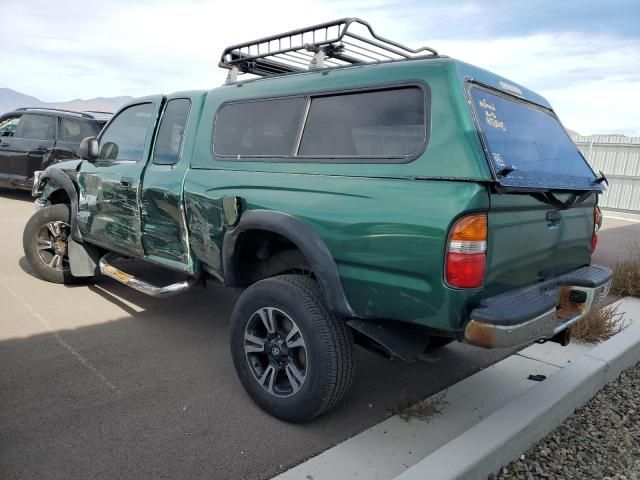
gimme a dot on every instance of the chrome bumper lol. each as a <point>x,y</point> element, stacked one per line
<point>35,189</point>
<point>492,326</point>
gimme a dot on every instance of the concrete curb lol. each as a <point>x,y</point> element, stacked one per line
<point>511,430</point>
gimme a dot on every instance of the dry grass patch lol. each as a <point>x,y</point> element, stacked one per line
<point>626,274</point>
<point>600,324</point>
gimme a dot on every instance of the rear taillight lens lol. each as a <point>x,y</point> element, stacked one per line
<point>597,223</point>
<point>465,261</point>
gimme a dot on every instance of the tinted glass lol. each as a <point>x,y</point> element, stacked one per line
<point>8,126</point>
<point>72,130</point>
<point>532,141</point>
<point>386,123</point>
<point>171,132</point>
<point>37,127</point>
<point>264,128</point>
<point>125,138</point>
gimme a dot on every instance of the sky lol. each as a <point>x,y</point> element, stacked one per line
<point>583,56</point>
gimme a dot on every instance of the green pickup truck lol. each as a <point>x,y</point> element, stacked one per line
<point>359,191</point>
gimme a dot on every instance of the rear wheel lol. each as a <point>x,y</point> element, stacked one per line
<point>293,355</point>
<point>45,243</point>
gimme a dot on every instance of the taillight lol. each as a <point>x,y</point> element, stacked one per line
<point>597,223</point>
<point>465,262</point>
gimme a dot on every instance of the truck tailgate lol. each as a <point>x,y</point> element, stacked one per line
<point>530,240</point>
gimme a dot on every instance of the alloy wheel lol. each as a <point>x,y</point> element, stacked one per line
<point>276,352</point>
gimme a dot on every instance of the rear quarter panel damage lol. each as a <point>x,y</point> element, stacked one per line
<point>387,236</point>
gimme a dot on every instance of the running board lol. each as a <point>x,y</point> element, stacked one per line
<point>140,285</point>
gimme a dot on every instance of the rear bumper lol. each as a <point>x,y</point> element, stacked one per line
<point>538,311</point>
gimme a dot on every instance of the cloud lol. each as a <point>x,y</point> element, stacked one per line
<point>591,81</point>
<point>89,48</point>
<point>479,19</point>
<point>582,56</point>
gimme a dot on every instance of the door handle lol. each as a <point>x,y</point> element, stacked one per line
<point>553,216</point>
<point>126,181</point>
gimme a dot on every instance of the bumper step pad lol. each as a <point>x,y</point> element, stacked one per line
<point>538,311</point>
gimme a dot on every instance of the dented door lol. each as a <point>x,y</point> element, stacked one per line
<point>109,208</point>
<point>164,230</point>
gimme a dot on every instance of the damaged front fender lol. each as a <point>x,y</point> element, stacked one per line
<point>60,177</point>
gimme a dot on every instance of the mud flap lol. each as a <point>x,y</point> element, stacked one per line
<point>393,339</point>
<point>83,259</point>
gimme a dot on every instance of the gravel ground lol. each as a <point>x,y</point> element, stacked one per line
<point>599,441</point>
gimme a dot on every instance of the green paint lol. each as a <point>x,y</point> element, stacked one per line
<point>385,224</point>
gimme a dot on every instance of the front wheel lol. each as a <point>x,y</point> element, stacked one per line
<point>293,355</point>
<point>45,243</point>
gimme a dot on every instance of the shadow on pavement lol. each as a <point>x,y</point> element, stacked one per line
<point>154,394</point>
<point>20,195</point>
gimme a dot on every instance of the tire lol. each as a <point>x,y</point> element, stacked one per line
<point>50,264</point>
<point>314,367</point>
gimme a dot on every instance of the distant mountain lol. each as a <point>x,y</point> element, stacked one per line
<point>100,104</point>
<point>10,100</point>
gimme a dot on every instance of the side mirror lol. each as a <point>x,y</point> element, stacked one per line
<point>89,149</point>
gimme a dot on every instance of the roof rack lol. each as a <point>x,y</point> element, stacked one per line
<point>47,109</point>
<point>326,45</point>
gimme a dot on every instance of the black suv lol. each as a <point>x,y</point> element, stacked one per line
<point>33,138</point>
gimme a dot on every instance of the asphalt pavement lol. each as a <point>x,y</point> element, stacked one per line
<point>100,381</point>
<point>618,239</point>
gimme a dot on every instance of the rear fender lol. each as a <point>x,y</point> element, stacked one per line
<point>304,237</point>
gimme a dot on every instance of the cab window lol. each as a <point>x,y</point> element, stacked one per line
<point>258,128</point>
<point>8,126</point>
<point>72,130</point>
<point>168,145</point>
<point>380,124</point>
<point>124,139</point>
<point>37,127</point>
<point>369,126</point>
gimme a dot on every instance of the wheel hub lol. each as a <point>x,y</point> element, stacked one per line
<point>52,245</point>
<point>276,351</point>
<point>277,347</point>
<point>60,247</point>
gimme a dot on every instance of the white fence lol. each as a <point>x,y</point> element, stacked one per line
<point>619,158</point>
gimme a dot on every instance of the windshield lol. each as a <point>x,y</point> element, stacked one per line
<point>528,146</point>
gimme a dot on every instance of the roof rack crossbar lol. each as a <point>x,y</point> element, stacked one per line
<point>354,45</point>
<point>301,55</point>
<point>380,45</point>
<point>319,46</point>
<point>291,58</point>
<point>368,53</point>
